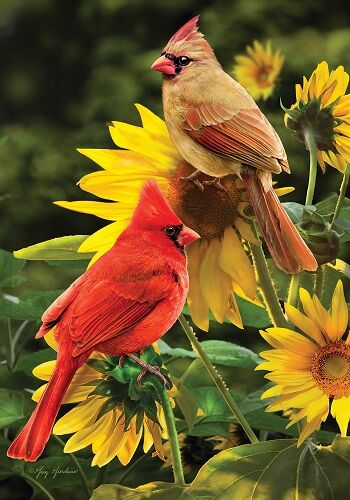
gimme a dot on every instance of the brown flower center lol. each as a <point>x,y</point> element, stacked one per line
<point>331,369</point>
<point>208,212</point>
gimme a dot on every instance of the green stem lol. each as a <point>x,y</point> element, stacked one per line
<point>341,196</point>
<point>293,292</point>
<point>310,142</point>
<point>172,432</point>
<point>267,289</point>
<point>75,462</point>
<point>319,283</point>
<point>101,476</point>
<point>38,485</point>
<point>217,380</point>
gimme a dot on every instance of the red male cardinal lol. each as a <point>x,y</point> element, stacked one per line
<point>126,301</point>
<point>217,127</point>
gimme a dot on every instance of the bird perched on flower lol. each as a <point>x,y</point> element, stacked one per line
<point>122,304</point>
<point>218,128</point>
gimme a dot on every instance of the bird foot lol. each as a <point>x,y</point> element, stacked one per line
<point>194,179</point>
<point>216,182</point>
<point>146,368</point>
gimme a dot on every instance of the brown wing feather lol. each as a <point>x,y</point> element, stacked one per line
<point>243,136</point>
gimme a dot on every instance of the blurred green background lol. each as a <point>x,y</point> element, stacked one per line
<point>69,67</point>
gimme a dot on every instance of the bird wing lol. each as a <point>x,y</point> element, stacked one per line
<point>111,308</point>
<point>52,315</point>
<point>242,134</point>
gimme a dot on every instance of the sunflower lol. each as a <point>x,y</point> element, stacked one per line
<point>258,71</point>
<point>322,105</point>
<point>311,369</point>
<point>97,420</point>
<point>218,265</point>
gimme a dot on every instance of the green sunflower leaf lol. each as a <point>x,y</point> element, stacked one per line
<point>155,489</point>
<point>65,248</point>
<point>29,306</point>
<point>9,268</point>
<point>252,471</point>
<point>11,407</point>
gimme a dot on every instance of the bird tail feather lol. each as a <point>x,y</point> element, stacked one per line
<point>31,441</point>
<point>288,250</point>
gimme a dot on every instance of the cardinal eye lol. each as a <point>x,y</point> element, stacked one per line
<point>184,60</point>
<point>170,230</point>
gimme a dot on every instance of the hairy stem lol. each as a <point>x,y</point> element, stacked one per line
<point>268,291</point>
<point>172,432</point>
<point>293,292</point>
<point>310,142</point>
<point>342,191</point>
<point>319,283</point>
<point>217,379</point>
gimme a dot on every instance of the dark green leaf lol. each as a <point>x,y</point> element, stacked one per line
<point>30,361</point>
<point>272,470</point>
<point>9,268</point>
<point>65,248</point>
<point>294,210</point>
<point>11,407</point>
<point>228,354</point>
<point>157,490</point>
<point>30,306</point>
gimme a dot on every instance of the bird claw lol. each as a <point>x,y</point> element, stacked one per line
<point>194,179</point>
<point>216,182</point>
<point>146,368</point>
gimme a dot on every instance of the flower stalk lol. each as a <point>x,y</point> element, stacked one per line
<point>232,405</point>
<point>293,292</point>
<point>343,188</point>
<point>311,145</point>
<point>268,291</point>
<point>172,432</point>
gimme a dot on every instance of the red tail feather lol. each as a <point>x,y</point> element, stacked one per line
<point>287,248</point>
<point>31,441</point>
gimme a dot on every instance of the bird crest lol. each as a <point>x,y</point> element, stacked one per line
<point>188,39</point>
<point>153,211</point>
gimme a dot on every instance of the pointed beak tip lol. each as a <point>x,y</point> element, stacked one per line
<point>163,65</point>
<point>188,236</point>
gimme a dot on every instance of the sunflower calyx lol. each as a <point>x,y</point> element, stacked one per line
<point>303,117</point>
<point>122,389</point>
<point>318,233</point>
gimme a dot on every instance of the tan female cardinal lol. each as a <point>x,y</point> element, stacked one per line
<point>217,127</point>
<point>126,301</point>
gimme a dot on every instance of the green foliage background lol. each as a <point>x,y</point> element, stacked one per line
<point>67,69</point>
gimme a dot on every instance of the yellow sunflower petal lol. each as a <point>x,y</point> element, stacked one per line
<point>215,283</point>
<point>283,338</point>
<point>105,210</point>
<point>85,436</point>
<point>246,231</point>
<point>127,451</point>
<point>234,261</point>
<point>50,339</point>
<point>338,317</point>
<point>196,302</point>
<point>80,416</point>
<point>152,122</point>
<point>111,446</point>
<point>104,237</point>
<point>308,429</point>
<point>341,412</point>
<point>304,323</point>
<point>105,431</point>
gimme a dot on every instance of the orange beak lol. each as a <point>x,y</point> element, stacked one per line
<point>187,236</point>
<point>164,65</point>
